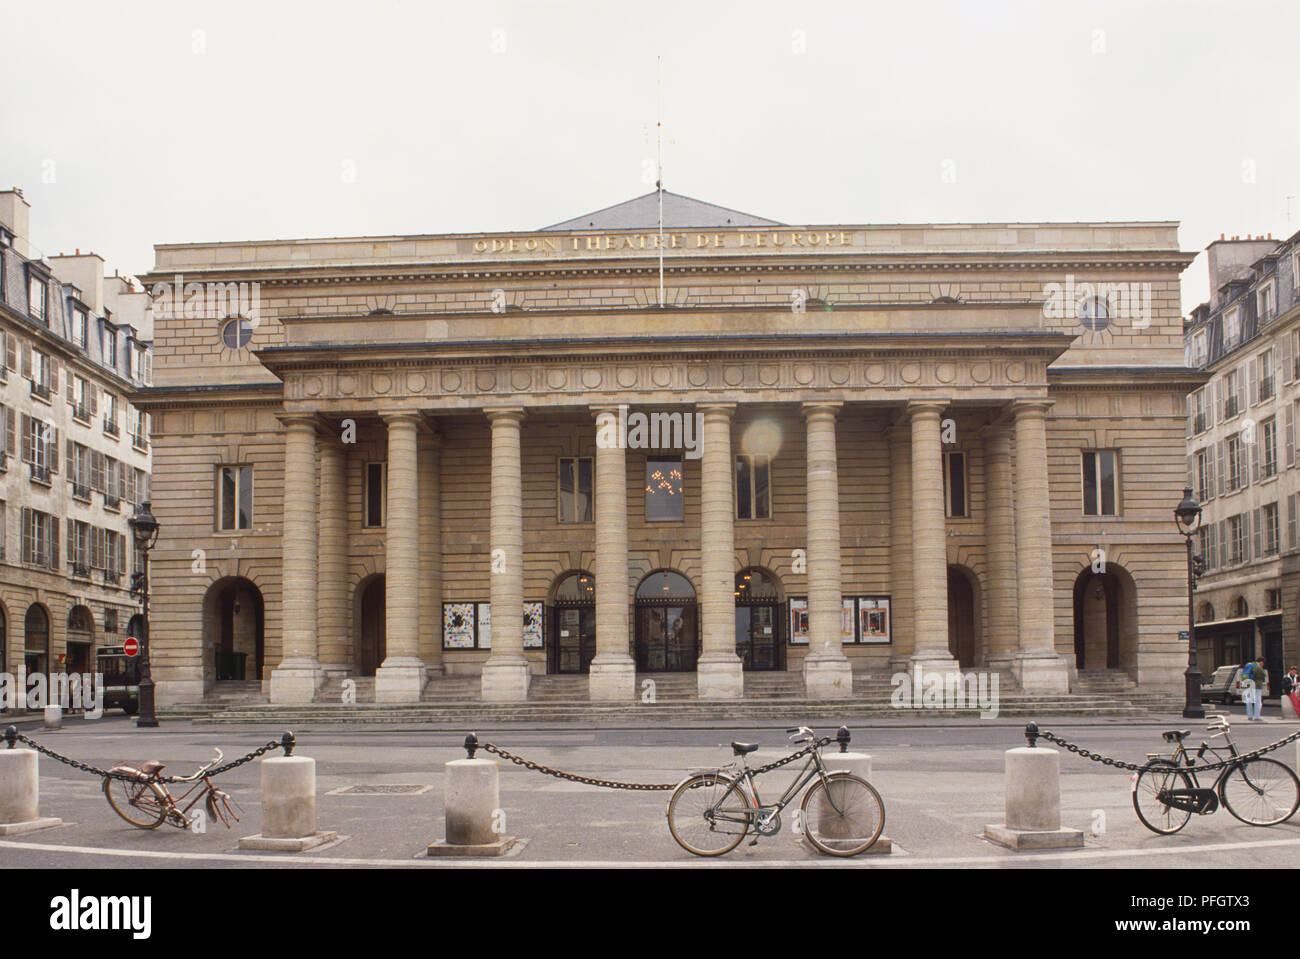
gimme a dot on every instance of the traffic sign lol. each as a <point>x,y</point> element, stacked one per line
<point>132,646</point>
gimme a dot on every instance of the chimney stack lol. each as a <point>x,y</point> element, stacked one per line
<point>15,216</point>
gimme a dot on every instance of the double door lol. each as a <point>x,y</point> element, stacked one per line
<point>573,639</point>
<point>758,636</point>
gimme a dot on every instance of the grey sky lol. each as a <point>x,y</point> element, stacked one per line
<point>153,132</point>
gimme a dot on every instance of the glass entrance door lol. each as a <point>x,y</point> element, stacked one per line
<point>666,638</point>
<point>756,636</point>
<point>574,638</point>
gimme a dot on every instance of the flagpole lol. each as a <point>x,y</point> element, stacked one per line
<point>659,182</point>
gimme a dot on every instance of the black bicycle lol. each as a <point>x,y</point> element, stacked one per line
<point>1166,791</point>
<point>712,811</point>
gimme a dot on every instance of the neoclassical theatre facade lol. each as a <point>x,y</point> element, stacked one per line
<point>819,452</point>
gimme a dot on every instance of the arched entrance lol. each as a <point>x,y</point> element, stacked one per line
<point>36,639</point>
<point>233,628</point>
<point>81,640</point>
<point>372,641</point>
<point>573,623</point>
<point>1105,616</point>
<point>963,629</point>
<point>667,624</point>
<point>758,620</point>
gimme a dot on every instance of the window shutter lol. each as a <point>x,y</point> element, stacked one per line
<point>1191,472</point>
<point>72,393</point>
<point>1217,466</point>
<point>1252,380</point>
<point>53,451</point>
<point>1257,524</point>
<point>70,458</point>
<point>148,368</point>
<point>27,438</point>
<point>54,377</point>
<point>1191,417</point>
<point>72,542</point>
<point>1289,419</point>
<point>11,425</point>
<point>1254,461</point>
<point>54,542</point>
<point>94,399</point>
<point>1216,411</point>
<point>1209,474</point>
<point>27,361</point>
<point>1290,522</point>
<point>1288,364</point>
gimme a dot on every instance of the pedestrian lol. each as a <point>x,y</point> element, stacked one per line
<point>1291,687</point>
<point>1253,694</point>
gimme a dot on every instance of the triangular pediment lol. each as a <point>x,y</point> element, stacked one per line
<point>680,212</point>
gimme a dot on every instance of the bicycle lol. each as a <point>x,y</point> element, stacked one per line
<point>712,810</point>
<point>1258,791</point>
<point>145,802</point>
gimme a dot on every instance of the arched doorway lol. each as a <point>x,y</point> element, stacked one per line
<point>573,623</point>
<point>758,620</point>
<point>963,629</point>
<point>667,624</point>
<point>372,641</point>
<point>233,628</point>
<point>36,639</point>
<point>81,640</point>
<point>1099,615</point>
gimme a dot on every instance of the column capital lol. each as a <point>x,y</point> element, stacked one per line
<point>312,419</point>
<point>414,417</point>
<point>915,408</point>
<point>1031,405</point>
<point>495,413</point>
<point>821,408</point>
<point>727,409</point>
<point>600,409</point>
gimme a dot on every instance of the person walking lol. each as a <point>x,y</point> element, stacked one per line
<point>1254,680</point>
<point>1291,687</point>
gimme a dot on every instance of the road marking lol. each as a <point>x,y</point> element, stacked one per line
<point>308,859</point>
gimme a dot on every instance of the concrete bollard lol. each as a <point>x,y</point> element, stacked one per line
<point>53,717</point>
<point>288,807</point>
<point>859,764</point>
<point>20,797</point>
<point>1033,803</point>
<point>472,798</point>
<point>1288,709</point>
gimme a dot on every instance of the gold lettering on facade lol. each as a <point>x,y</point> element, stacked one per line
<point>610,242</point>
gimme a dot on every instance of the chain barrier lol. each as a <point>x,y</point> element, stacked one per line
<point>1032,732</point>
<point>614,784</point>
<point>286,742</point>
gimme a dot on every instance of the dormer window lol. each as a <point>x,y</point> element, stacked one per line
<point>1231,328</point>
<point>110,347</point>
<point>80,323</point>
<point>36,298</point>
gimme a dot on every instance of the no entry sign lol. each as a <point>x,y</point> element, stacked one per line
<point>132,646</point>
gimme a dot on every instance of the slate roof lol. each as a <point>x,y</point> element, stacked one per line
<point>643,213</point>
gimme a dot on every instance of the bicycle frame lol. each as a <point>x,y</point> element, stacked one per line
<point>813,769</point>
<point>178,815</point>
<point>1204,804</point>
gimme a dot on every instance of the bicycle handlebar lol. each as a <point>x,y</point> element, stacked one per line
<point>800,734</point>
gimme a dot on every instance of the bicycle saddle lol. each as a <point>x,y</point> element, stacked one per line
<point>150,768</point>
<point>1176,735</point>
<point>741,749</point>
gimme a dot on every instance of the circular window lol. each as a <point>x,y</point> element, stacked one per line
<point>1094,313</point>
<point>237,333</point>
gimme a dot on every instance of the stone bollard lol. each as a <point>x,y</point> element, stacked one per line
<point>288,805</point>
<point>1288,709</point>
<point>1033,801</point>
<point>472,797</point>
<point>53,717</point>
<point>859,764</point>
<point>20,796</point>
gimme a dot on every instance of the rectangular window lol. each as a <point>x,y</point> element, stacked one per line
<point>1100,486</point>
<point>110,347</point>
<point>1204,476</point>
<point>954,485</point>
<point>1236,464</point>
<point>575,489</point>
<point>1236,539</point>
<point>1268,438</point>
<point>235,497</point>
<point>1199,354</point>
<point>663,490</point>
<point>376,490</point>
<point>1265,300</point>
<point>1231,328</point>
<point>753,487</point>
<point>1200,424</point>
<point>1270,530</point>
<point>1266,383</point>
<point>1231,401</point>
<point>79,325</point>
<point>36,297</point>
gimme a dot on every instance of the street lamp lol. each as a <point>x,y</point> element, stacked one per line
<point>1188,518</point>
<point>145,529</point>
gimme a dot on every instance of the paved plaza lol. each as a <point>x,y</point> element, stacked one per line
<point>942,782</point>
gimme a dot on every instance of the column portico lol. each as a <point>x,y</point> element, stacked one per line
<point>400,678</point>
<point>505,674</point>
<point>430,499</point>
<point>1000,535</point>
<point>613,671</point>
<point>827,672</point>
<point>1038,666</point>
<point>297,677</point>
<point>720,671</point>
<point>332,619</point>
<point>900,542</point>
<point>929,541</point>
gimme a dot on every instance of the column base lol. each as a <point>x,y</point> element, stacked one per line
<point>1041,673</point>
<point>505,682</point>
<point>828,678</point>
<point>169,692</point>
<point>933,662</point>
<point>1027,839</point>
<point>721,679</point>
<point>399,683</point>
<point>295,684</point>
<point>612,682</point>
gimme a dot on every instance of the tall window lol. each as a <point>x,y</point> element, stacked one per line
<point>110,347</point>
<point>40,532</point>
<point>1231,401</point>
<point>1268,440</point>
<point>1265,302</point>
<point>575,486</point>
<point>1269,531</point>
<point>954,485</point>
<point>663,489</point>
<point>36,297</point>
<point>79,324</point>
<point>375,494</point>
<point>1204,476</point>
<point>1234,478</point>
<point>1265,361</point>
<point>1236,539</point>
<point>1231,328</point>
<point>235,497</point>
<point>753,487</point>
<point>1100,483</point>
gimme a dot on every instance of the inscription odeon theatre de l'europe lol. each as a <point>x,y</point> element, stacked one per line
<point>618,242</point>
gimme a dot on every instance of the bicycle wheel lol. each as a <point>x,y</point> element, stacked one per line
<point>139,803</point>
<point>1261,792</point>
<point>708,815</point>
<point>843,814</point>
<point>1154,778</point>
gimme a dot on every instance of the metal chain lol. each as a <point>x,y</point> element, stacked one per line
<point>1207,767</point>
<point>134,777</point>
<point>614,784</point>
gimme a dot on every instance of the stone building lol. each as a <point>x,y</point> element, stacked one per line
<point>1241,445</point>
<point>75,456</point>
<point>820,451</point>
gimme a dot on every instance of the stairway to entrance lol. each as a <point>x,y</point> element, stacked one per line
<point>1118,684</point>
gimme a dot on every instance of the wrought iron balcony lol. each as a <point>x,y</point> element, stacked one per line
<point>112,502</point>
<point>80,490</point>
<point>112,577</point>
<point>1230,408</point>
<point>80,571</point>
<point>41,474</point>
<point>110,427</point>
<point>1266,387</point>
<point>1200,424</point>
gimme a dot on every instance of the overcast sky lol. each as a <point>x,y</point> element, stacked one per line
<point>129,124</point>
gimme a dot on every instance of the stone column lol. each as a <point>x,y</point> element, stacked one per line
<point>929,541</point>
<point>1038,666</point>
<point>720,671</point>
<point>827,672</point>
<point>299,674</point>
<point>613,672</point>
<point>400,678</point>
<point>902,629</point>
<point>332,619</point>
<point>505,674</point>
<point>428,457</point>
<point>1000,537</point>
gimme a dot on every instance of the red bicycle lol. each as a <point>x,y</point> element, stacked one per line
<point>144,801</point>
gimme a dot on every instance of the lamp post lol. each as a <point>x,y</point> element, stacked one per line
<point>145,529</point>
<point>1187,516</point>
